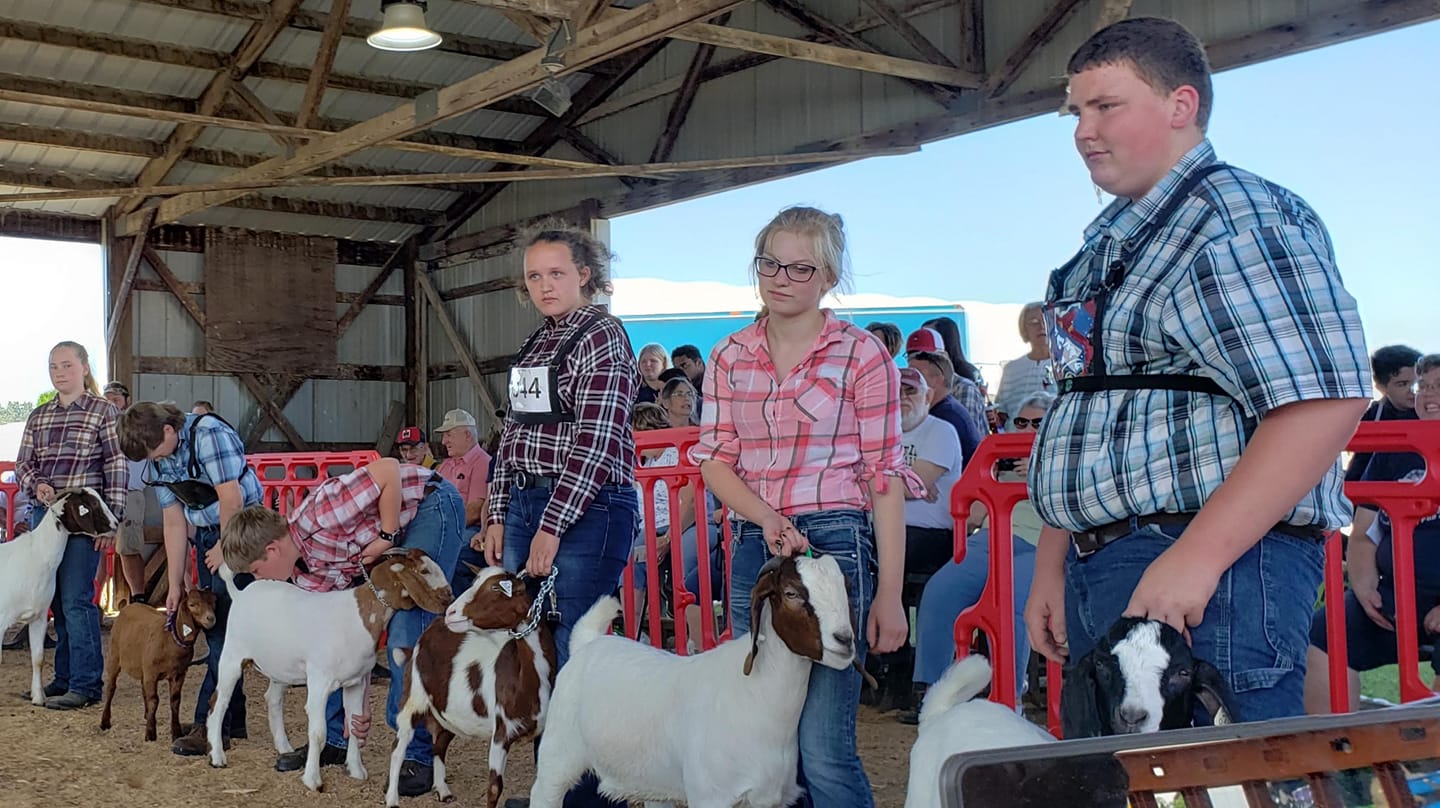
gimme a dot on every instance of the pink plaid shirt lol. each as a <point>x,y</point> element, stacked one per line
<point>340,517</point>
<point>815,440</point>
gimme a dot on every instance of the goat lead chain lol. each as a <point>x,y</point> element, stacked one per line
<point>368,582</point>
<point>532,620</point>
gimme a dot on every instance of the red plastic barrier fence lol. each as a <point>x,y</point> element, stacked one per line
<point>675,477</point>
<point>1407,504</point>
<point>285,478</point>
<point>10,490</point>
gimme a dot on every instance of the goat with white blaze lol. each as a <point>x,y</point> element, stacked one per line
<point>472,676</point>
<point>953,721</point>
<point>705,741</point>
<point>323,640</point>
<point>28,564</point>
<point>1141,678</point>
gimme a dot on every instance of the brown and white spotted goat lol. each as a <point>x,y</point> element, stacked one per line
<point>471,676</point>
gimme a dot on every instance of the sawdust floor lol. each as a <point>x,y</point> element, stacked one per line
<point>50,758</point>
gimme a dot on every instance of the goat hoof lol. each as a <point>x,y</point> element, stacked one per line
<point>448,798</point>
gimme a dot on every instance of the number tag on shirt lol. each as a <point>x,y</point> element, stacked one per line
<point>530,390</point>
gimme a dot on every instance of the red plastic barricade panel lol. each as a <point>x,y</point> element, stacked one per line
<point>675,478</point>
<point>286,477</point>
<point>9,488</point>
<point>1407,504</point>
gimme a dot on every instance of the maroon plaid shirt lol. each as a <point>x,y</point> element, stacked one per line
<point>598,384</point>
<point>66,447</point>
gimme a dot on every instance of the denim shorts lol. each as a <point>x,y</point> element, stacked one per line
<point>1255,628</point>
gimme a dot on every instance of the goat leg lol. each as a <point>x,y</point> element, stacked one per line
<point>317,692</point>
<point>405,722</point>
<point>227,674</point>
<point>112,673</point>
<point>150,687</point>
<point>37,655</point>
<point>499,749</point>
<point>177,688</point>
<point>354,698</point>
<point>442,737</point>
<point>275,713</point>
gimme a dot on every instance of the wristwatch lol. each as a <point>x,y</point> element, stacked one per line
<point>392,536</point>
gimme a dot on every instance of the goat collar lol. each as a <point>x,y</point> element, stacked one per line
<point>365,571</point>
<point>170,628</point>
<point>532,620</point>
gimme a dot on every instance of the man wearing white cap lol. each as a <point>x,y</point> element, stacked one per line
<point>468,468</point>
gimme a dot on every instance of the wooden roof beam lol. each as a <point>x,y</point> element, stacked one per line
<point>1019,57</point>
<point>848,57</point>
<point>593,44</point>
<point>324,63</point>
<point>972,35</point>
<point>909,33</point>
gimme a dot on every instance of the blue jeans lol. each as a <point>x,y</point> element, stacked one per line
<point>830,768</point>
<point>955,588</point>
<point>591,557</point>
<point>234,718</point>
<point>468,555</point>
<point>1255,628</point>
<point>690,552</point>
<point>435,530</point>
<point>78,660</point>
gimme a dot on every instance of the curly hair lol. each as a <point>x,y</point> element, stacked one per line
<point>586,251</point>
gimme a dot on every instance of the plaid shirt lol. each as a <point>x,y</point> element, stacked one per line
<point>221,455</point>
<point>340,517</point>
<point>968,394</point>
<point>815,440</point>
<point>598,384</point>
<point>66,447</point>
<point>1241,288</point>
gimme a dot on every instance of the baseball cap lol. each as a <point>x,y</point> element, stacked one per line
<point>910,377</point>
<point>455,418</point>
<point>410,436</point>
<point>925,339</point>
<point>117,387</point>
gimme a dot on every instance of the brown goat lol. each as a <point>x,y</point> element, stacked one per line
<point>150,647</point>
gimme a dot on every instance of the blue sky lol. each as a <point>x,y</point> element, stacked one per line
<point>1352,128</point>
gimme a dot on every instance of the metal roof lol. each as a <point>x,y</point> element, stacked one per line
<point>160,55</point>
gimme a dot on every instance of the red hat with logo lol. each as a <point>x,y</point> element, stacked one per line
<point>925,339</point>
<point>410,436</point>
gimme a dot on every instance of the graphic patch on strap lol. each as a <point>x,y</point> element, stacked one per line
<point>1069,326</point>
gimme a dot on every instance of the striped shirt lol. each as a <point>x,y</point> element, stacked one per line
<point>221,455</point>
<point>815,440</point>
<point>597,383</point>
<point>67,447</point>
<point>1241,288</point>
<point>340,517</point>
<point>968,394</point>
<point>1021,377</point>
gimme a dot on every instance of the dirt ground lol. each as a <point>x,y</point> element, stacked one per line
<point>50,758</point>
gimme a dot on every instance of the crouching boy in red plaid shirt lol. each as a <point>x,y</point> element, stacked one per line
<point>323,545</point>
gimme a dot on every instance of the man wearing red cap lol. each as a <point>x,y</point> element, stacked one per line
<point>924,344</point>
<point>414,449</point>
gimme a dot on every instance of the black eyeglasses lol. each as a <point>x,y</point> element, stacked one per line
<point>769,268</point>
<point>1022,422</point>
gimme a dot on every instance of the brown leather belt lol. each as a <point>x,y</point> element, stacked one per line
<point>1090,541</point>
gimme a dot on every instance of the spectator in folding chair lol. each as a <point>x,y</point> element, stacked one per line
<point>322,546</point>
<point>196,465</point>
<point>70,441</point>
<point>1370,640</point>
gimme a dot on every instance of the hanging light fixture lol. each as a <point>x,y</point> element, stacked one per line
<point>403,27</point>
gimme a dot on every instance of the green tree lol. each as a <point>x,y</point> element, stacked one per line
<point>45,397</point>
<point>14,411</point>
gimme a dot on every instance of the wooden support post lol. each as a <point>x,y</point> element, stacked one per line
<point>120,294</point>
<point>466,358</point>
<point>417,361</point>
<point>120,354</point>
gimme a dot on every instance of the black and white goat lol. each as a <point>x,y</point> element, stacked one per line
<point>1141,678</point>
<point>721,728</point>
<point>28,564</point>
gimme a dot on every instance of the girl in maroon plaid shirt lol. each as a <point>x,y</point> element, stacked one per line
<point>71,441</point>
<point>563,491</point>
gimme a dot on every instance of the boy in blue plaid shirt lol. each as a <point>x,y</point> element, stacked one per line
<point>1211,368</point>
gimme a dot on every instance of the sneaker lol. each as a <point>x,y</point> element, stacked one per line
<point>51,691</point>
<point>415,779</point>
<point>295,761</point>
<point>70,701</point>
<point>195,743</point>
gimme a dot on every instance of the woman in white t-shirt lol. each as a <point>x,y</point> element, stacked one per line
<point>1026,374</point>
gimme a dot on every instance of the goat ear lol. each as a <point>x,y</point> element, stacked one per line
<point>764,588</point>
<point>472,568</point>
<point>1211,690</point>
<point>420,591</point>
<point>1079,707</point>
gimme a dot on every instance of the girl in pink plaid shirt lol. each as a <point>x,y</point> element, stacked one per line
<point>801,441</point>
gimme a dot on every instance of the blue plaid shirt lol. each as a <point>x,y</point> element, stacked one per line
<point>221,455</point>
<point>1240,288</point>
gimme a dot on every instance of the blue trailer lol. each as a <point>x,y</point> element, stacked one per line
<point>705,330</point>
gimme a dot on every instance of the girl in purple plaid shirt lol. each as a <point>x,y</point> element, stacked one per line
<point>71,441</point>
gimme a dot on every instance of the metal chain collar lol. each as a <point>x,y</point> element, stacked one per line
<point>365,571</point>
<point>532,620</point>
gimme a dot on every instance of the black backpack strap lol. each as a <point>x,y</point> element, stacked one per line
<point>194,465</point>
<point>1158,381</point>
